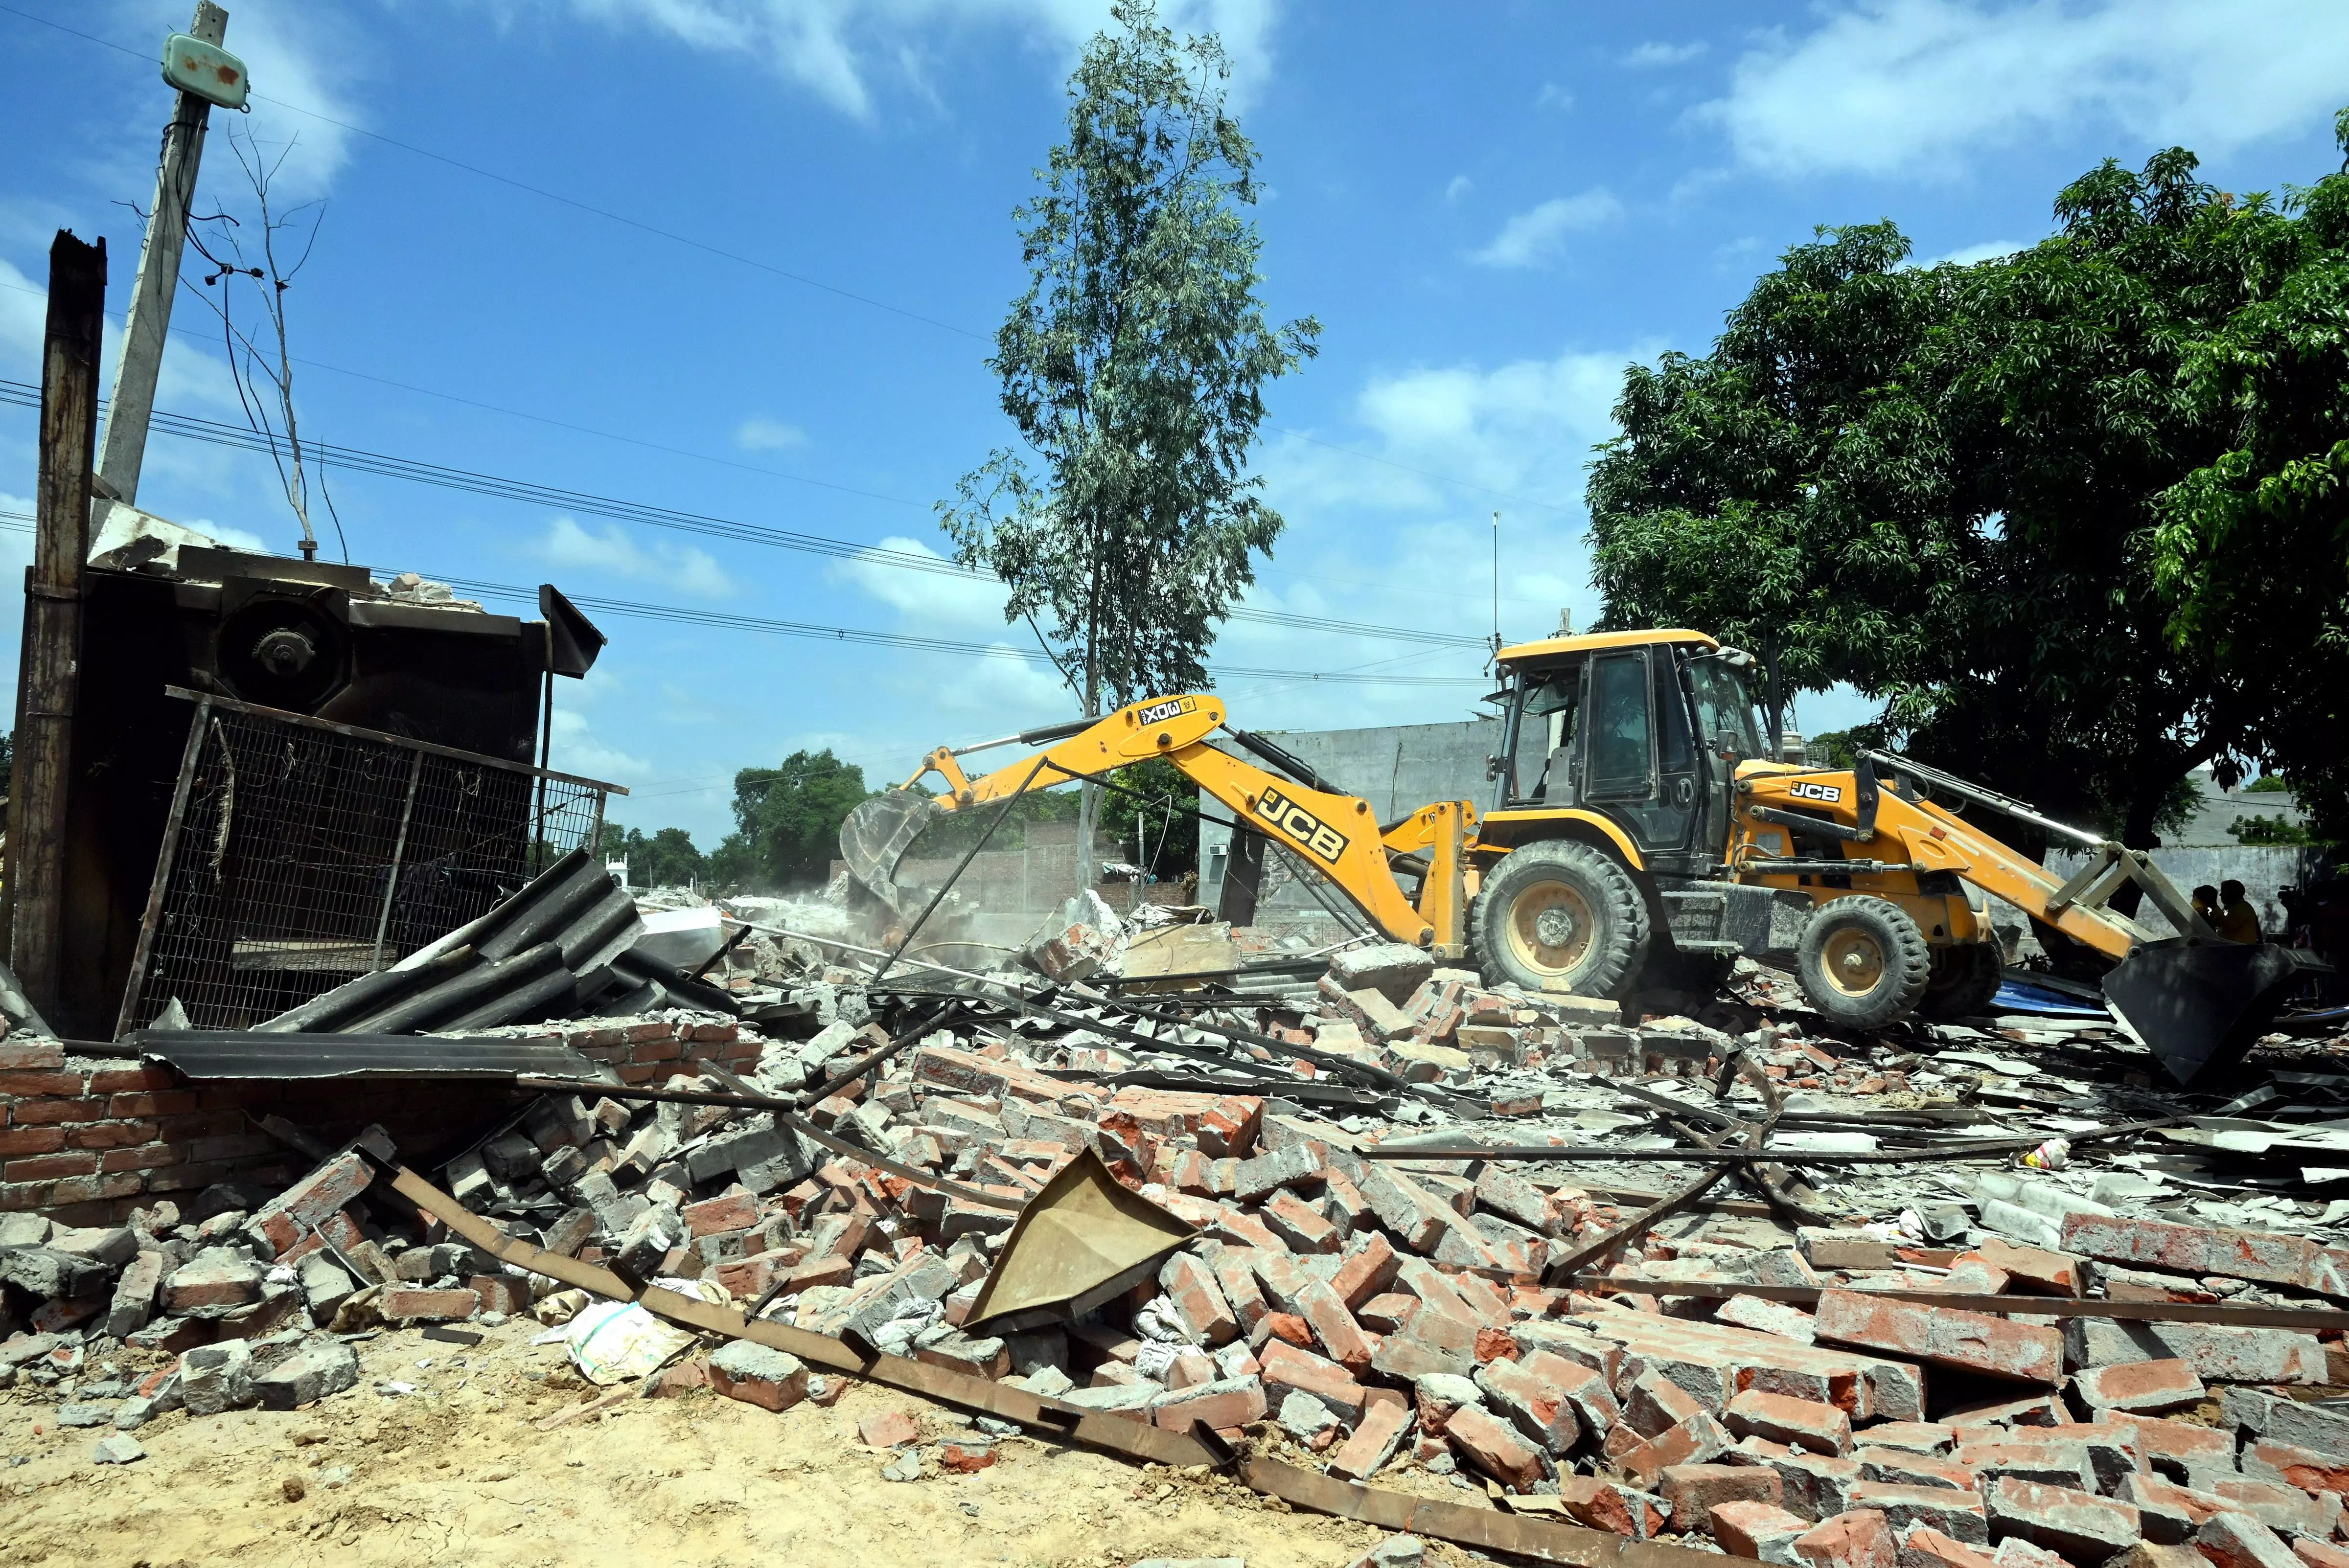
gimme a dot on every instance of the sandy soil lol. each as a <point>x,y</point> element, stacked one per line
<point>456,1474</point>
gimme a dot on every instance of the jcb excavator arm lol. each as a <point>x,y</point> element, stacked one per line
<point>1333,832</point>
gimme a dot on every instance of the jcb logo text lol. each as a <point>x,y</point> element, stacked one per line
<point>1300,824</point>
<point>1829,793</point>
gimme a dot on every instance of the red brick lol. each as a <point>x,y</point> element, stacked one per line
<point>656,1051</point>
<point>1233,1402</point>
<point>1694,1441</point>
<point>2239,1541</point>
<point>729,1211</point>
<point>2298,1467</point>
<point>183,1178</point>
<point>1341,1337</point>
<point>2262,1255</point>
<point>887,1430</point>
<point>43,1083</point>
<point>1296,1221</point>
<point>1192,1286</point>
<point>1859,1538</point>
<point>48,1167</point>
<point>501,1293</point>
<point>2039,1271</point>
<point>15,1197</point>
<point>47,1111</point>
<point>2080,1525</point>
<point>1389,1313</point>
<point>145,1157</point>
<point>1695,1490</point>
<point>758,1375</point>
<point>1925,1548</point>
<point>114,1134</point>
<point>114,1081</point>
<point>644,1034</point>
<point>1367,1272</point>
<point>30,1056</point>
<point>715,1034</point>
<point>1287,1367</point>
<point>408,1305</point>
<point>31,1140</point>
<point>1493,1447</point>
<point>2146,1387</point>
<point>159,1102</point>
<point>825,1270</point>
<point>1818,1427</point>
<point>1943,1337</point>
<point>1360,1456</point>
<point>91,1189</point>
<point>1603,1504</point>
<point>1748,1530</point>
<point>2317,1554</point>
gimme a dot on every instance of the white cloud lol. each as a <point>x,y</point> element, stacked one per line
<point>836,49</point>
<point>1531,238</point>
<point>947,602</point>
<point>1525,428</point>
<point>1967,255</point>
<point>1654,56</point>
<point>760,434</point>
<point>1461,185</point>
<point>1552,96</point>
<point>1886,87</point>
<point>610,551</point>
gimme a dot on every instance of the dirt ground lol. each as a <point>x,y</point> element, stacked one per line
<point>456,1474</point>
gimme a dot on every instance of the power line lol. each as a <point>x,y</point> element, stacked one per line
<point>21,522</point>
<point>530,493</point>
<point>705,246</point>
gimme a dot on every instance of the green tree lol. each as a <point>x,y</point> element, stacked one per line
<point>667,858</point>
<point>787,821</point>
<point>1134,367</point>
<point>1986,495</point>
<point>1154,797</point>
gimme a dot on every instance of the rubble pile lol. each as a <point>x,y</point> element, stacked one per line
<point>1440,1319</point>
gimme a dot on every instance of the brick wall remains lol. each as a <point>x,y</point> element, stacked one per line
<point>85,1140</point>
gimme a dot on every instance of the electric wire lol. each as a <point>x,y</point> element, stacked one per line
<point>530,493</point>
<point>710,249</point>
<point>22,522</point>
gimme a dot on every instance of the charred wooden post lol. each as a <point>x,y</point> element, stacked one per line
<point>47,670</point>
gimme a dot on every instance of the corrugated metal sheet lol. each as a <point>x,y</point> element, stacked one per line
<point>205,1054</point>
<point>542,954</point>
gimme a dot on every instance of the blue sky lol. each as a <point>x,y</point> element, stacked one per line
<point>1491,208</point>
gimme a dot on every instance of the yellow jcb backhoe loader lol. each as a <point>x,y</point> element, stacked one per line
<point>1640,834</point>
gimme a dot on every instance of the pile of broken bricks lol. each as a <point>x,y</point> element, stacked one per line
<point>1370,1315</point>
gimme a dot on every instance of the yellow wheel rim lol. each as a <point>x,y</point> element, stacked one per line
<point>1550,928</point>
<point>1853,962</point>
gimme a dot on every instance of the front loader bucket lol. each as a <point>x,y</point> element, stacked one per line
<point>2199,1005</point>
<point>876,835</point>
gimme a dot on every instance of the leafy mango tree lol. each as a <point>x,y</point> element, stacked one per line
<point>2072,515</point>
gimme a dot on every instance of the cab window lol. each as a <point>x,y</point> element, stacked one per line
<point>1724,708</point>
<point>1621,743</point>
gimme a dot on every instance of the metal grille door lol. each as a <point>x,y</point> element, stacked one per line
<point>301,852</point>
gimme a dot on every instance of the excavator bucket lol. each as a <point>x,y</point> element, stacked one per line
<point>2199,1005</point>
<point>876,835</point>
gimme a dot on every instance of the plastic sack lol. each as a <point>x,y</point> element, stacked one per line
<point>2052,1155</point>
<point>612,1341</point>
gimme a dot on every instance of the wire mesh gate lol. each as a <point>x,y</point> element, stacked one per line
<point>301,852</point>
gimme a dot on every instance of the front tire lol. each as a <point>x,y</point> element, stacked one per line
<point>1560,915</point>
<point>1965,980</point>
<point>1862,961</point>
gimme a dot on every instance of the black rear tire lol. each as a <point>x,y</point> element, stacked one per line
<point>1965,980</point>
<point>1561,914</point>
<point>1862,961</point>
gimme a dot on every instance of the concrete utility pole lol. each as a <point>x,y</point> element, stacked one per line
<point>150,315</point>
<point>49,667</point>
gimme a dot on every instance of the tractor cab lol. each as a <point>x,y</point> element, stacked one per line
<point>1644,730</point>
